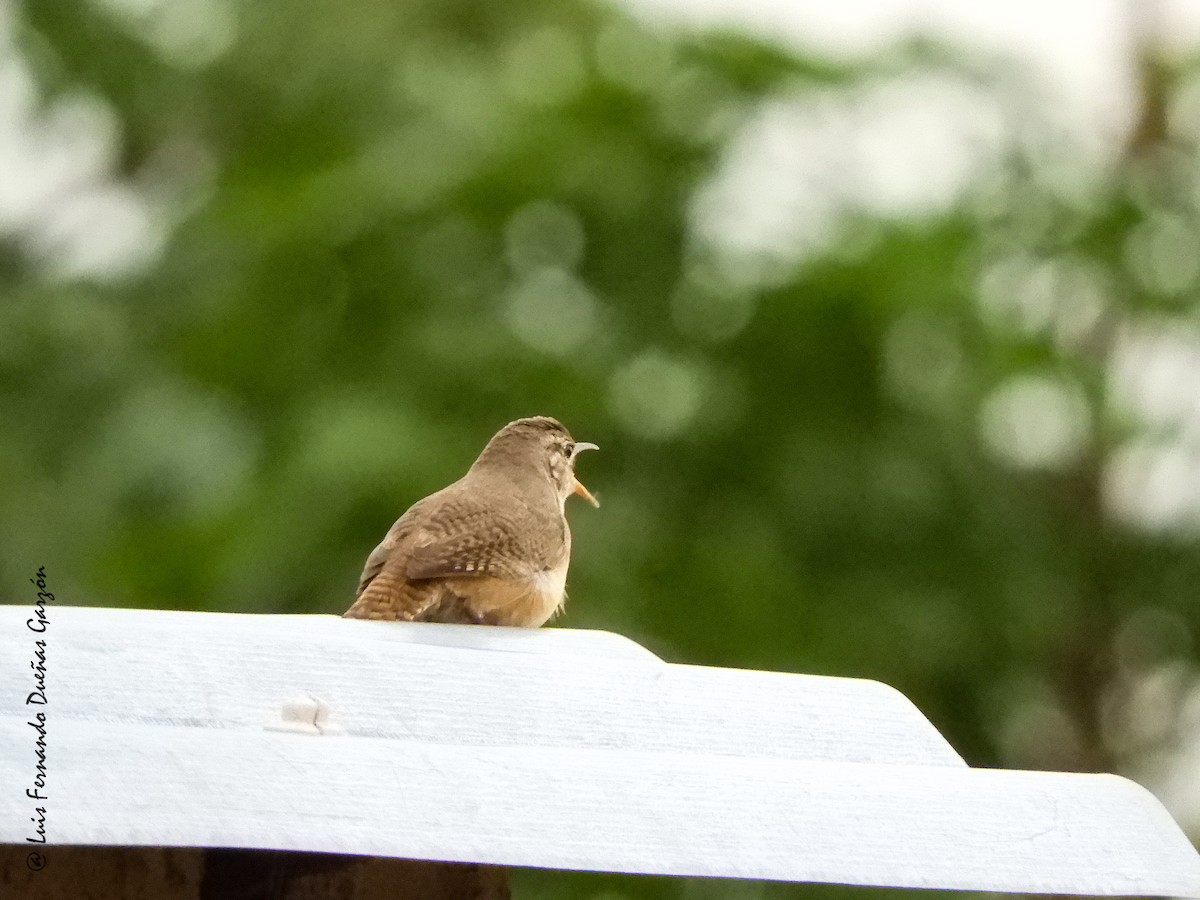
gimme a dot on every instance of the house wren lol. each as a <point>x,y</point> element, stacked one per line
<point>493,547</point>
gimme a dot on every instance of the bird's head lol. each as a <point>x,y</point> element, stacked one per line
<point>540,444</point>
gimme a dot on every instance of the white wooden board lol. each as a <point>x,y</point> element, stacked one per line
<point>456,684</point>
<point>629,811</point>
<point>157,737</point>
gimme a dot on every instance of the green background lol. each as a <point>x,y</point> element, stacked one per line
<point>391,227</point>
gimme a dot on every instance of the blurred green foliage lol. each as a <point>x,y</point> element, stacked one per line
<point>393,227</point>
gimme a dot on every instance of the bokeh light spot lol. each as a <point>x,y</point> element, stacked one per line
<point>1163,255</point>
<point>1036,421</point>
<point>551,311</point>
<point>656,395</point>
<point>1154,374</point>
<point>1154,485</point>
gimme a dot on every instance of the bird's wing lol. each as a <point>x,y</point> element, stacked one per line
<point>375,562</point>
<point>394,543</point>
<point>455,534</point>
<point>468,536</point>
<point>389,594</point>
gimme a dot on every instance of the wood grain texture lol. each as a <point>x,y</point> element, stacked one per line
<point>103,873</point>
<point>156,873</point>
<point>495,686</point>
<point>608,761</point>
<point>627,811</point>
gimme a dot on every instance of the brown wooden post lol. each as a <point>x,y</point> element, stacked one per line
<point>154,873</point>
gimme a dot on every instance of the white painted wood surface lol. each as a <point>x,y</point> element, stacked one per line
<point>554,748</point>
<point>453,684</point>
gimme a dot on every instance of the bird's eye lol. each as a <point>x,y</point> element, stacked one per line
<point>566,448</point>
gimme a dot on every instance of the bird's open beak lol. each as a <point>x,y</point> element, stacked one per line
<point>585,493</point>
<point>579,488</point>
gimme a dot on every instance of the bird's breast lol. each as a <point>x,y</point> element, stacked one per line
<point>548,588</point>
<point>551,583</point>
<point>528,602</point>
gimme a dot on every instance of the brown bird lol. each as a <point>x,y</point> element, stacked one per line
<point>493,547</point>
